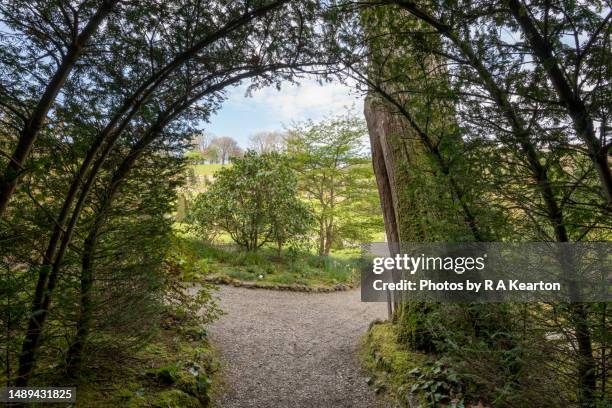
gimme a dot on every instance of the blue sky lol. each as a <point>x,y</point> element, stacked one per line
<point>269,109</point>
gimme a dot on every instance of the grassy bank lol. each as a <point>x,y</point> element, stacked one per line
<point>389,365</point>
<point>174,370</point>
<point>268,268</point>
<point>407,378</point>
<point>207,169</point>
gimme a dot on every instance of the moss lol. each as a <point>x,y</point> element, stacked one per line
<point>175,370</point>
<point>413,328</point>
<point>389,363</point>
<point>166,375</point>
<point>124,394</point>
<point>175,399</point>
<point>195,384</point>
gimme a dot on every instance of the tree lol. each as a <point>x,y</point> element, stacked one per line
<point>202,141</point>
<point>336,178</point>
<point>255,201</point>
<point>415,134</point>
<point>200,152</point>
<point>267,142</point>
<point>439,72</point>
<point>194,156</point>
<point>225,148</point>
<point>572,73</point>
<point>211,154</point>
<point>481,69</point>
<point>109,320</point>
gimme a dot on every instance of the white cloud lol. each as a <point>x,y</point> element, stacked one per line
<point>308,100</point>
<point>269,109</point>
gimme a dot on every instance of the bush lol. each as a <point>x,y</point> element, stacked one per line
<point>255,201</point>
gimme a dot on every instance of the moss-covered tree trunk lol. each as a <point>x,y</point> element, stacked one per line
<point>392,151</point>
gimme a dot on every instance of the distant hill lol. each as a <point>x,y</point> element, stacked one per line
<point>201,174</point>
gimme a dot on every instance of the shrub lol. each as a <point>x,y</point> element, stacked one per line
<point>255,201</point>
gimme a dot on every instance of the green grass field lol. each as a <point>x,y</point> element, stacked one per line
<point>207,169</point>
<point>203,174</point>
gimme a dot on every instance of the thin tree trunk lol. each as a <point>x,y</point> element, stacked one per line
<point>75,352</point>
<point>321,237</point>
<point>329,237</point>
<point>586,363</point>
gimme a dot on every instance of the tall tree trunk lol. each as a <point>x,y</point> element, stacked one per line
<point>391,150</point>
<point>380,162</point>
<point>430,147</point>
<point>29,133</point>
<point>329,238</point>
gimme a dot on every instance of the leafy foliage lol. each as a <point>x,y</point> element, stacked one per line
<point>98,102</point>
<point>255,201</point>
<point>336,179</point>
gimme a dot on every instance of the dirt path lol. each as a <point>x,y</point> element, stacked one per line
<point>293,350</point>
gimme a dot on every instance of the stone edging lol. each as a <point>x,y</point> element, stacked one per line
<point>225,280</point>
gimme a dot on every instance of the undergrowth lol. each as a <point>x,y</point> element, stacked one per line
<point>174,368</point>
<point>268,267</point>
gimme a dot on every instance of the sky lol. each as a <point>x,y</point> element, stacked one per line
<point>269,109</point>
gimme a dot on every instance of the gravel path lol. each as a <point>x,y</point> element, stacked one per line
<point>292,349</point>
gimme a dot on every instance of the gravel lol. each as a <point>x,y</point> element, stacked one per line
<point>291,349</point>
